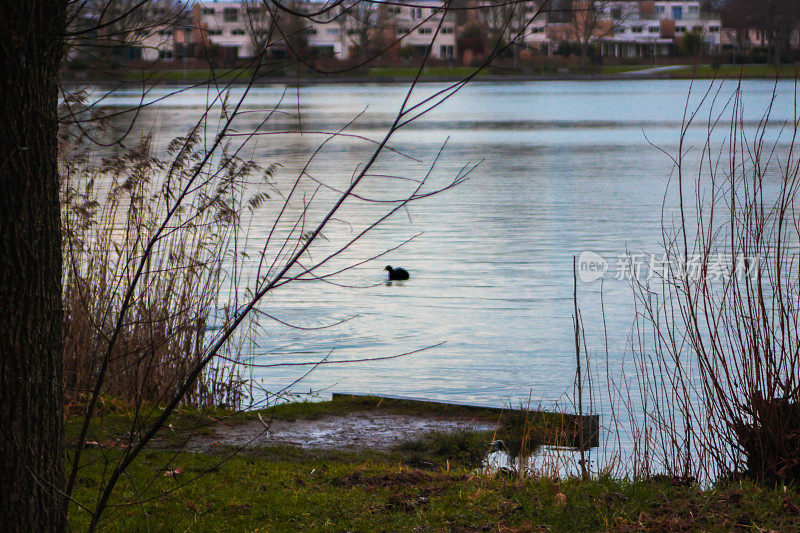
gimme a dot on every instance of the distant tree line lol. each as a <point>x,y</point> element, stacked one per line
<point>771,22</point>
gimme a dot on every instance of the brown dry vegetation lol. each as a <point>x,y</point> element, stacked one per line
<point>111,208</point>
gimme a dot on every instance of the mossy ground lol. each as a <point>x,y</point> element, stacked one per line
<point>270,490</point>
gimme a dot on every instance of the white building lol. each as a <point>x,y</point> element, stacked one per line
<point>325,33</point>
<point>230,25</point>
<point>526,20</point>
<point>656,28</point>
<point>341,32</point>
<point>623,28</point>
<point>415,23</point>
<point>535,35</point>
<point>236,27</point>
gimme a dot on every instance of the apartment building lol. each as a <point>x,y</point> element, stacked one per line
<point>180,37</point>
<point>237,29</point>
<point>234,30</point>
<point>233,27</point>
<point>415,25</point>
<point>326,35</point>
<point>621,28</point>
<point>527,21</point>
<point>655,28</point>
<point>357,28</point>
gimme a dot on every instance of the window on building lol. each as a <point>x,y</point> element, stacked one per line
<point>658,11</point>
<point>447,31</point>
<point>697,29</point>
<point>680,29</point>
<point>425,31</point>
<point>215,32</point>
<point>654,29</point>
<point>677,12</point>
<point>323,50</point>
<point>312,31</point>
<point>230,14</point>
<point>693,10</point>
<point>237,31</point>
<point>332,31</point>
<point>636,29</point>
<point>420,50</point>
<point>713,29</point>
<point>184,50</point>
<point>208,11</point>
<point>446,51</point>
<point>402,31</point>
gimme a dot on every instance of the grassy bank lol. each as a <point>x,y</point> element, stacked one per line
<point>769,72</point>
<point>282,489</point>
<point>432,482</point>
<point>405,74</point>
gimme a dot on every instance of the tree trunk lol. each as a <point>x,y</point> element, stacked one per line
<point>585,53</point>
<point>31,416</point>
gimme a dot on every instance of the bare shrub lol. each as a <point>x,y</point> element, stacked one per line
<point>717,353</point>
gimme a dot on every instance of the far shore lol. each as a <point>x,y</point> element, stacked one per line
<point>405,75</point>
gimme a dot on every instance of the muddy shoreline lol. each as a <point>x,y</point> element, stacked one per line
<point>353,431</point>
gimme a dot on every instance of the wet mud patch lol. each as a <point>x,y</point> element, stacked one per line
<point>351,431</point>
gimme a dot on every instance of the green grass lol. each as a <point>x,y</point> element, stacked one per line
<point>364,492</point>
<point>688,71</point>
<point>618,69</point>
<point>410,72</point>
<point>426,484</point>
<point>406,73</point>
<point>441,448</point>
<point>185,75</point>
<point>601,70</point>
<point>734,71</point>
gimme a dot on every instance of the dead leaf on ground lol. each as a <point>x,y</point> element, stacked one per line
<point>561,499</point>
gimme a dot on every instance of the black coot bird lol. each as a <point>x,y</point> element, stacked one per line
<point>397,274</point>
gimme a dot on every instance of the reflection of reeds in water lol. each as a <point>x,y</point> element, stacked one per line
<point>110,211</point>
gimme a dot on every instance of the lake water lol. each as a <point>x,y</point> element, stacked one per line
<point>565,167</point>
